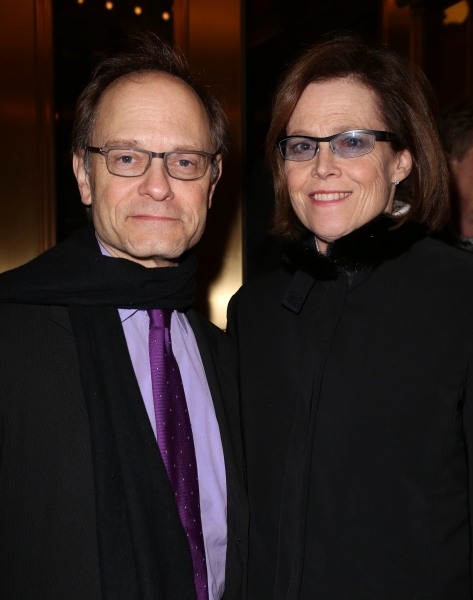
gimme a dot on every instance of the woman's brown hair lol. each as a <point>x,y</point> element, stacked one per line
<point>407,105</point>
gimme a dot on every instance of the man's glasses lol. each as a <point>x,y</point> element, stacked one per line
<point>348,144</point>
<point>133,162</point>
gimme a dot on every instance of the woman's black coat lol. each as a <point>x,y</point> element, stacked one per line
<point>357,403</point>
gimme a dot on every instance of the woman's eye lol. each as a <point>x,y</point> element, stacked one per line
<point>302,147</point>
<point>351,142</point>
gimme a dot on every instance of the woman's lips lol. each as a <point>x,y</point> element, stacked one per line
<point>328,198</point>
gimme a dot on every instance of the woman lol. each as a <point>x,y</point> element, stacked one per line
<point>355,357</point>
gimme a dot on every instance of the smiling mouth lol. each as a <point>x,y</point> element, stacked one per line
<point>327,196</point>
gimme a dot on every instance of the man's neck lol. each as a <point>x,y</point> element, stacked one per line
<point>108,250</point>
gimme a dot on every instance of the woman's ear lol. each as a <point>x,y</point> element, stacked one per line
<point>403,165</point>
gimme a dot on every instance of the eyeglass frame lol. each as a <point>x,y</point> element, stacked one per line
<point>379,136</point>
<point>104,150</point>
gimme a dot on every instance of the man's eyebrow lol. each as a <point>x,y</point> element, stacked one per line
<point>122,142</point>
<point>194,147</point>
<point>135,144</point>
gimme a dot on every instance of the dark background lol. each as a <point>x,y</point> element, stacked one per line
<point>82,34</point>
<point>275,32</point>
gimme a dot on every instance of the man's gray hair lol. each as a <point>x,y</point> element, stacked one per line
<point>148,53</point>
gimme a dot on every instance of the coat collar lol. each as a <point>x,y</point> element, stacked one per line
<point>361,250</point>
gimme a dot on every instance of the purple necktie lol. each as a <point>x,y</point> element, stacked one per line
<point>175,440</point>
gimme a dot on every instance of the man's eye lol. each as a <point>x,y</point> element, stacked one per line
<point>184,162</point>
<point>127,159</point>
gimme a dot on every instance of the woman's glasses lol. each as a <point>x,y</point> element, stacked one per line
<point>348,144</point>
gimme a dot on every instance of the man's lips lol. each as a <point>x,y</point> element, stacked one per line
<point>153,218</point>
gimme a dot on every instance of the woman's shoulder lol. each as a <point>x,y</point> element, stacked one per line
<point>260,296</point>
<point>264,286</point>
<point>435,268</point>
<point>437,254</point>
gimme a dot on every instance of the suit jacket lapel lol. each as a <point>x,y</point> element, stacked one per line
<point>220,367</point>
<point>65,355</point>
<point>208,346</point>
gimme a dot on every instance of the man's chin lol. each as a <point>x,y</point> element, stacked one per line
<point>154,257</point>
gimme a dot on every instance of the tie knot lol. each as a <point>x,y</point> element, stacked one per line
<point>160,317</point>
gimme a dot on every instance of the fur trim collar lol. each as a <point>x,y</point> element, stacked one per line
<point>361,250</point>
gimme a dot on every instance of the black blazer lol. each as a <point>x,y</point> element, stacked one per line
<point>357,416</point>
<point>48,545</point>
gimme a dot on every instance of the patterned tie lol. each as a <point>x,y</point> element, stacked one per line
<point>175,439</point>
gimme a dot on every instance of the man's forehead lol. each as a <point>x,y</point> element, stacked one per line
<point>141,87</point>
<point>147,100</point>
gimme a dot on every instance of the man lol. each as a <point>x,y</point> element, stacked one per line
<point>120,459</point>
<point>456,132</point>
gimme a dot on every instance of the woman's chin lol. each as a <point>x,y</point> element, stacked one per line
<point>329,235</point>
<point>329,232</point>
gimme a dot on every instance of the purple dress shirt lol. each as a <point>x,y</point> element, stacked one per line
<point>205,429</point>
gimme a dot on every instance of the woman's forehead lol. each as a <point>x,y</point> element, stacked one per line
<point>336,105</point>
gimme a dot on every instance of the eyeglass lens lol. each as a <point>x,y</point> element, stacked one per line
<point>346,145</point>
<point>132,163</point>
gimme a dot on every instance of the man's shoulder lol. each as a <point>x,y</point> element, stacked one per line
<point>15,314</point>
<point>32,329</point>
<point>202,327</point>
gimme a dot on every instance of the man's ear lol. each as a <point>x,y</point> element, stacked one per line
<point>82,177</point>
<point>216,174</point>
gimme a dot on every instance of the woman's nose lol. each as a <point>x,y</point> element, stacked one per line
<point>325,163</point>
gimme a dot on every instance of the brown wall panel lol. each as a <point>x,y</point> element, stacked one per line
<point>25,223</point>
<point>210,34</point>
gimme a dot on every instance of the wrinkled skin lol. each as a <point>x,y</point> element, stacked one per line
<point>151,219</point>
<point>332,196</point>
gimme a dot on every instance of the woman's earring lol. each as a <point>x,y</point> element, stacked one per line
<point>396,182</point>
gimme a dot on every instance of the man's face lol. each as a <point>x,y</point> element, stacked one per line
<point>151,219</point>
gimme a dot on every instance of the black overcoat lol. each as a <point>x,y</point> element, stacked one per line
<point>357,414</point>
<point>48,541</point>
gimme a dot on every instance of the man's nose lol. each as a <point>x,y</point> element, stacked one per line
<point>155,182</point>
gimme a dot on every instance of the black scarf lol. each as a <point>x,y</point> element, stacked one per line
<point>143,549</point>
<point>363,249</point>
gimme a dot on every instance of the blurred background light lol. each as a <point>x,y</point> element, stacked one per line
<point>457,13</point>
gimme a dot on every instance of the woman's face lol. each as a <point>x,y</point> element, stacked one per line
<point>332,196</point>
